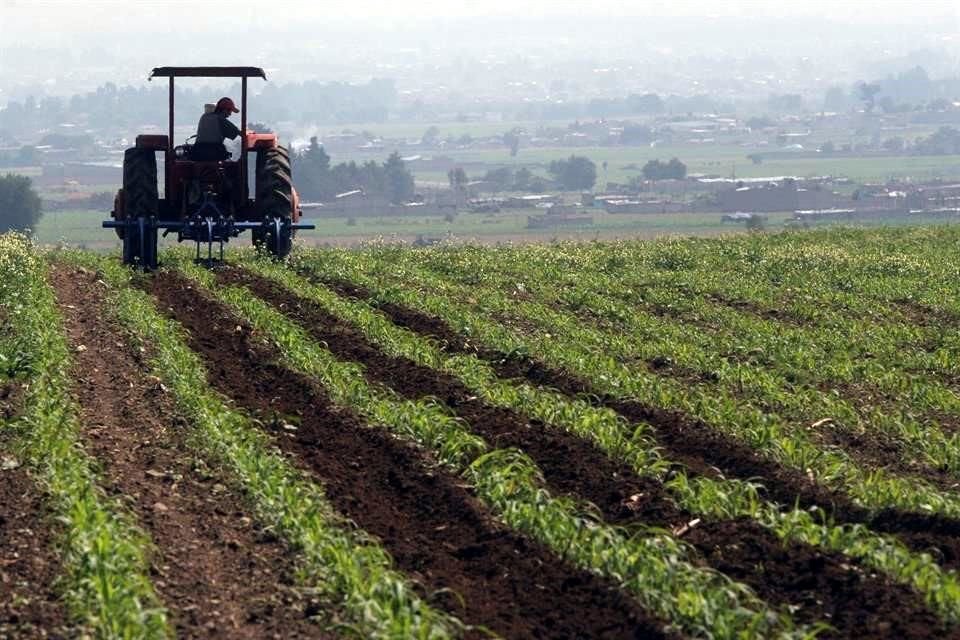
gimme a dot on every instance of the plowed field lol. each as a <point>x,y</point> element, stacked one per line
<point>750,437</point>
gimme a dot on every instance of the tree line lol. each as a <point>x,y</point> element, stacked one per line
<point>318,180</point>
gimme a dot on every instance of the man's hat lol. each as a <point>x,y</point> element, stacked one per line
<point>226,104</point>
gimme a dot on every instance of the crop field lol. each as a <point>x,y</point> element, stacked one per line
<point>744,437</point>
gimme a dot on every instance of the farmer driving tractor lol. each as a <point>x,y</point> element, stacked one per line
<point>214,127</point>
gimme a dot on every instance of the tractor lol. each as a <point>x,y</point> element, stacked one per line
<point>206,201</point>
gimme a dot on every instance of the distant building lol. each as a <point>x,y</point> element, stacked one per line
<point>770,197</point>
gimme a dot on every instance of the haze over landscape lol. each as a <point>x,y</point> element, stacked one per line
<point>492,94</point>
<point>491,319</point>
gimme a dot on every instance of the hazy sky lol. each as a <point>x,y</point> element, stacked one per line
<point>62,47</point>
<point>55,21</point>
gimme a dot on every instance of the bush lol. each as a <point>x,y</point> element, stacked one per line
<point>19,204</point>
<point>656,170</point>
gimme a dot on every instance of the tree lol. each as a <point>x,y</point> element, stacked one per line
<point>19,203</point>
<point>398,179</point>
<point>522,179</point>
<point>759,122</point>
<point>895,144</point>
<point>501,178</point>
<point>313,172</point>
<point>431,136</point>
<point>646,103</point>
<point>512,140</point>
<point>944,141</point>
<point>636,134</point>
<point>575,173</point>
<point>657,170</point>
<point>458,178</point>
<point>868,95</point>
<point>827,148</point>
<point>836,99</point>
<point>28,156</point>
<point>316,179</point>
<point>788,102</point>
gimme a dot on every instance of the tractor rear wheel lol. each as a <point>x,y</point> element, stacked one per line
<point>141,203</point>
<point>274,186</point>
<point>140,194</point>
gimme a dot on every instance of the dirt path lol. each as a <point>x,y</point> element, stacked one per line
<point>819,585</point>
<point>30,606</point>
<point>433,527</point>
<point>217,572</point>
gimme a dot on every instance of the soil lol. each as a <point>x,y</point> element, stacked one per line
<point>821,586</point>
<point>435,530</point>
<point>924,315</point>
<point>30,606</point>
<point>219,574</point>
<point>571,465</point>
<point>690,442</point>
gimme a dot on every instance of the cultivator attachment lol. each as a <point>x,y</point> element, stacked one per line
<point>275,235</point>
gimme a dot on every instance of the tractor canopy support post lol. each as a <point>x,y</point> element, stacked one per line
<point>244,188</point>
<point>168,159</point>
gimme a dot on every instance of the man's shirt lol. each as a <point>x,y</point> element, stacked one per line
<point>214,127</point>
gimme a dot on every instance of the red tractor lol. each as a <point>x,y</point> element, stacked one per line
<point>205,201</point>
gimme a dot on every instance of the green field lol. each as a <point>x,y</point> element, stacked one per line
<point>722,161</point>
<point>79,228</point>
<point>737,438</point>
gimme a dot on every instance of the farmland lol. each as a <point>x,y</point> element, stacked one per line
<point>753,436</point>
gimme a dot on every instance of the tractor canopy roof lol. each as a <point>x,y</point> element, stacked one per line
<point>208,72</point>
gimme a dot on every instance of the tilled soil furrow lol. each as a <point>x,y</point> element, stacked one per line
<point>827,587</point>
<point>217,573</point>
<point>688,441</point>
<point>570,464</point>
<point>30,606</point>
<point>822,586</point>
<point>433,527</point>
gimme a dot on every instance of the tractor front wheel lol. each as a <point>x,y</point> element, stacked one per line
<point>140,243</point>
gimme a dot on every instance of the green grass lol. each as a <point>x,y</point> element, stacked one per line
<point>77,227</point>
<point>723,160</point>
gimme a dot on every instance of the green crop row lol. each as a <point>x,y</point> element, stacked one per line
<point>631,444</point>
<point>105,584</point>
<point>341,564</point>
<point>648,564</point>
<point>564,342</point>
<point>645,337</point>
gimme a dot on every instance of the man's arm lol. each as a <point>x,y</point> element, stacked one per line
<point>228,129</point>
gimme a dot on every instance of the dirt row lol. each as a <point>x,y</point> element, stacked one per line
<point>821,586</point>
<point>30,606</point>
<point>869,448</point>
<point>696,445</point>
<point>216,571</point>
<point>434,529</point>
